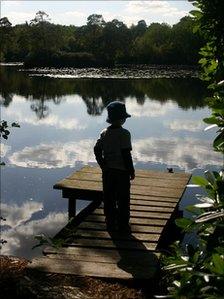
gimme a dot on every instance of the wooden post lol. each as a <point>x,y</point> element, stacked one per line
<point>71,207</point>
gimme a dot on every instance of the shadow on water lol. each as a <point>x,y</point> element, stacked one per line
<point>97,93</point>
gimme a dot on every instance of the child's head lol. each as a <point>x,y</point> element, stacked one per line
<point>117,113</point>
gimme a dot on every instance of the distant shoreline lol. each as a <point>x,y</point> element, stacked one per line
<point>118,72</point>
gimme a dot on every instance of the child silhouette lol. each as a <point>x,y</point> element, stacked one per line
<point>113,154</point>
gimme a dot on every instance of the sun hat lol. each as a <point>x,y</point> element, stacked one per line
<point>116,111</point>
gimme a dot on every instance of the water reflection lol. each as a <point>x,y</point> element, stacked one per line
<point>187,93</point>
<point>60,120</point>
<point>184,153</point>
<point>20,232</point>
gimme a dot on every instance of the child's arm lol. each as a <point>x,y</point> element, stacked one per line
<point>98,151</point>
<point>128,162</point>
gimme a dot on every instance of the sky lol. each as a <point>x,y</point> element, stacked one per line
<point>76,12</point>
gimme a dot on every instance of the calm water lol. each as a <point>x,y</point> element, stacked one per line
<point>60,120</point>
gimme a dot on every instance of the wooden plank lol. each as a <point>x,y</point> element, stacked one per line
<point>141,190</point>
<point>133,220</point>
<point>141,214</point>
<point>155,198</point>
<point>138,181</point>
<point>103,259</point>
<point>143,173</point>
<point>135,228</point>
<point>82,268</point>
<point>151,208</point>
<point>119,244</point>
<point>151,203</point>
<point>143,208</point>
<point>109,255</point>
<point>97,234</point>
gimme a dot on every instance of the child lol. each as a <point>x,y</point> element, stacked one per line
<point>113,154</point>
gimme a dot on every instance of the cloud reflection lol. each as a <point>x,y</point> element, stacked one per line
<point>54,155</point>
<point>149,109</point>
<point>186,153</point>
<point>15,215</point>
<point>20,239</point>
<point>54,120</point>
<point>186,125</point>
<point>4,149</point>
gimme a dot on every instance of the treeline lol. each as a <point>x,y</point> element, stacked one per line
<point>42,43</point>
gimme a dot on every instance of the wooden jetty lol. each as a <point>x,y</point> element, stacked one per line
<point>90,250</point>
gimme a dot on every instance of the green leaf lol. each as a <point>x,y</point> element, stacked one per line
<point>184,222</point>
<point>210,177</point>
<point>211,120</point>
<point>203,205</point>
<point>209,216</point>
<point>219,141</point>
<point>218,264</point>
<point>193,209</point>
<point>196,13</point>
<point>199,180</point>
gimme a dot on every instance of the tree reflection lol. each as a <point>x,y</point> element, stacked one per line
<point>97,93</point>
<point>41,110</point>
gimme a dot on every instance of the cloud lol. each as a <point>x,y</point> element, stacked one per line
<point>129,12</point>
<point>20,239</point>
<point>186,125</point>
<point>18,17</point>
<point>149,109</point>
<point>16,215</point>
<point>187,153</point>
<point>69,17</point>
<point>152,11</point>
<point>156,7</point>
<point>54,155</point>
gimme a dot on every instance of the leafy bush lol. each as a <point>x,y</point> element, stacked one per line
<point>198,271</point>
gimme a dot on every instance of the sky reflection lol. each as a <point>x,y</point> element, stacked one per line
<point>60,121</point>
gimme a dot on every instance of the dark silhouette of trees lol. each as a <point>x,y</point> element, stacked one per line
<point>42,43</point>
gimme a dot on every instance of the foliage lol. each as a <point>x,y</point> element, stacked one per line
<point>198,271</point>
<point>4,131</point>
<point>217,120</point>
<point>108,42</point>
<point>44,239</point>
<point>60,59</point>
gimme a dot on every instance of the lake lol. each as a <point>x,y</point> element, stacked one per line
<point>61,117</point>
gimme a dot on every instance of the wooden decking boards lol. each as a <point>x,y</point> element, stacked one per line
<point>90,250</point>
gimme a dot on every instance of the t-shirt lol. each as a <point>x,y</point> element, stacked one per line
<point>112,141</point>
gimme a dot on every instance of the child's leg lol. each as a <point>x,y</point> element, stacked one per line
<point>123,199</point>
<point>109,198</point>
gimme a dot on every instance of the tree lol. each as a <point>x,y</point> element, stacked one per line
<point>4,22</point>
<point>40,17</point>
<point>95,20</point>
<point>5,37</point>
